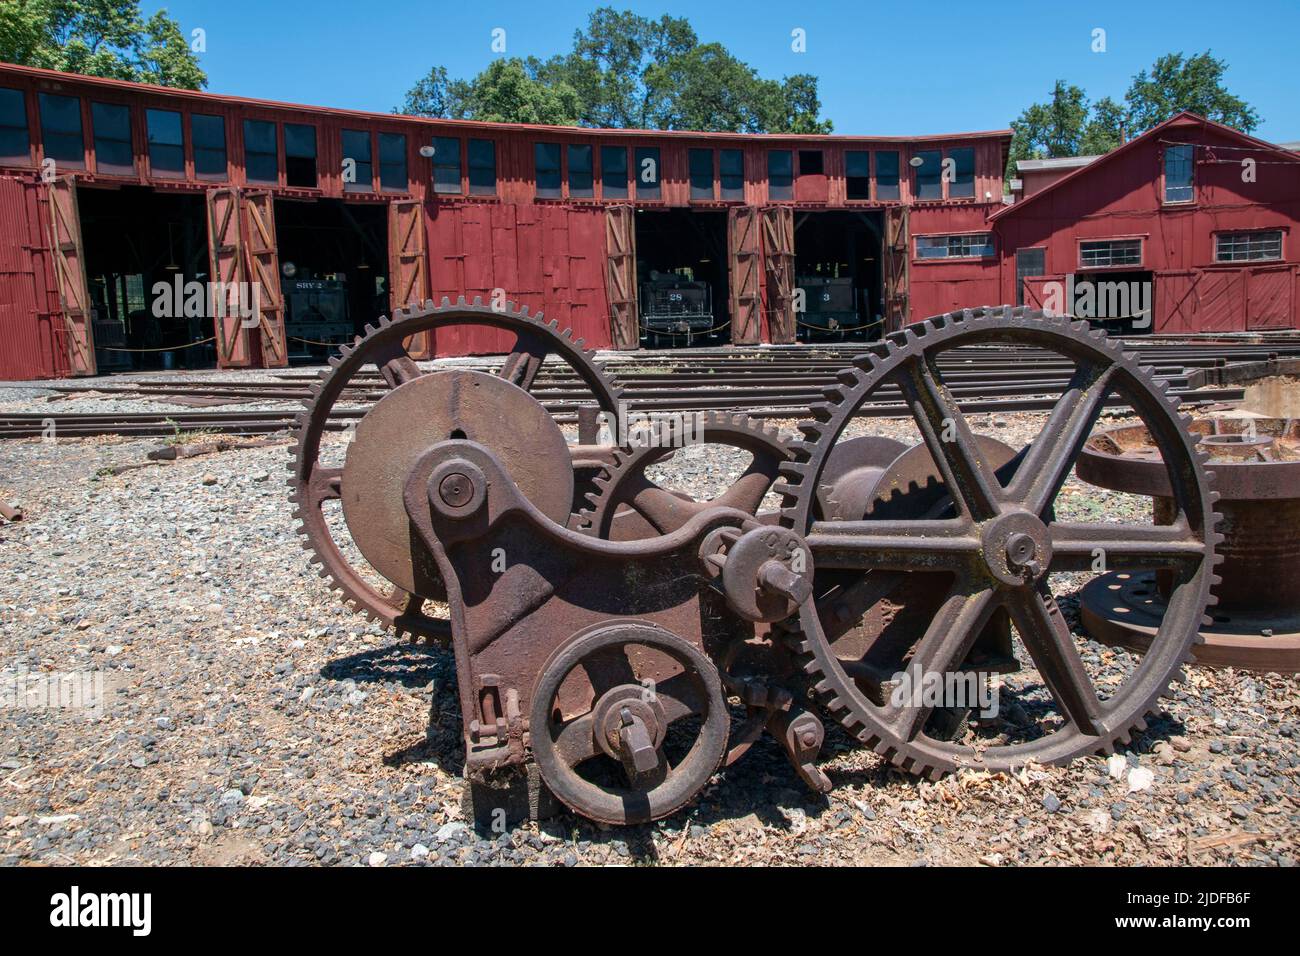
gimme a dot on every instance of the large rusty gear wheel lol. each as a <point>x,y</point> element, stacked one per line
<point>652,510</point>
<point>384,346</point>
<point>1001,547</point>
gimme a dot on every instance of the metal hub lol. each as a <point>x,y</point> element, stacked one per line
<point>1017,547</point>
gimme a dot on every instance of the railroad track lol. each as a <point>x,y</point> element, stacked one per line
<point>771,382</point>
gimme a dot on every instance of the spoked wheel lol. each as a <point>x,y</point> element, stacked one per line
<point>627,504</point>
<point>628,723</point>
<point>384,347</point>
<point>997,550</point>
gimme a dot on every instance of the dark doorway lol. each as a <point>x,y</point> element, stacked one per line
<point>681,274</point>
<point>146,255</point>
<point>1119,302</point>
<point>838,268</point>
<point>333,272</point>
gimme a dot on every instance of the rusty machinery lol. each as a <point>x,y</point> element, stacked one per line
<point>1256,461</point>
<point>629,640</point>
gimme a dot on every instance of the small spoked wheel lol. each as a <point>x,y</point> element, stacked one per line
<point>628,723</point>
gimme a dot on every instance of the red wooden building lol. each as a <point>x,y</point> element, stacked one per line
<point>1200,216</point>
<point>108,188</point>
<point>111,190</point>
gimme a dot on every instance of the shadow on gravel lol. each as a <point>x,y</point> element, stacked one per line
<point>411,665</point>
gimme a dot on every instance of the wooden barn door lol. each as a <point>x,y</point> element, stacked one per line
<point>70,273</point>
<point>226,262</point>
<point>778,249</point>
<point>896,255</point>
<point>745,269</point>
<point>408,268</point>
<point>1268,298</point>
<point>263,261</point>
<point>620,276</point>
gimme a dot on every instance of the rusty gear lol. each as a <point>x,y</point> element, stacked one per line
<point>1000,549</point>
<point>383,345</point>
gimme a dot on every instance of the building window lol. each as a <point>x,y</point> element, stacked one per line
<point>963,182</point>
<point>61,129</point>
<point>166,145</point>
<point>701,168</point>
<point>613,172</point>
<point>732,168</point>
<point>929,174</point>
<point>647,172</point>
<point>1178,173</point>
<point>1110,252</point>
<point>857,174</point>
<point>261,164</point>
<point>546,168</point>
<point>358,166</point>
<point>811,162</point>
<point>780,174</point>
<point>300,155</point>
<point>392,163</point>
<point>446,164</point>
<point>581,179</point>
<point>482,167</point>
<point>887,175</point>
<point>15,140</point>
<point>972,246</point>
<point>1029,262</point>
<point>1248,246</point>
<point>209,136</point>
<point>111,126</point>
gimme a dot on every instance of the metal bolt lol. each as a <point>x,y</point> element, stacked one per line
<point>1020,548</point>
<point>455,490</point>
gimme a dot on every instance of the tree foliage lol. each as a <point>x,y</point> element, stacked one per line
<point>1068,125</point>
<point>99,38</point>
<point>632,72</point>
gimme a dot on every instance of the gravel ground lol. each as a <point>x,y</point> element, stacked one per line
<point>247,717</point>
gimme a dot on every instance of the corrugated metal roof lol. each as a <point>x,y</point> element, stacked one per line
<point>1055,162</point>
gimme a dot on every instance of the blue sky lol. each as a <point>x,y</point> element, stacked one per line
<point>894,68</point>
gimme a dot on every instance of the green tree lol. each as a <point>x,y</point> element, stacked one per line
<point>1194,84</point>
<point>1051,129</point>
<point>634,72</point>
<point>1105,128</point>
<point>99,38</point>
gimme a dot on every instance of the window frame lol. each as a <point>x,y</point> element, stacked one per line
<point>444,188</point>
<point>155,170</point>
<point>275,154</point>
<point>731,193</point>
<point>551,192</point>
<point>990,244</point>
<point>1020,279</point>
<point>897,184</point>
<point>951,153</point>
<point>116,169</point>
<point>916,175</point>
<point>384,165</point>
<point>1129,266</point>
<point>787,188</point>
<point>1191,175</point>
<point>477,188</point>
<point>315,155</point>
<point>605,170</point>
<point>1219,236</point>
<point>867,179</point>
<point>80,161</point>
<point>196,149</point>
<point>652,192</point>
<point>26,128</point>
<point>700,193</point>
<point>572,150</point>
<point>366,185</point>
